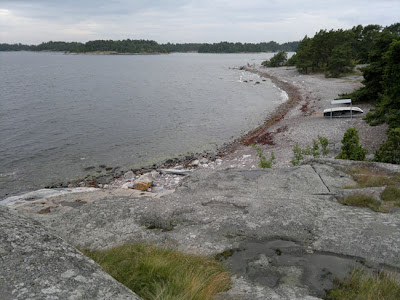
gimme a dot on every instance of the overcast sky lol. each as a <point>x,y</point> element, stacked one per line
<point>178,21</point>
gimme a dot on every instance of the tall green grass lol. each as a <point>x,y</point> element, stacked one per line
<point>156,273</point>
<point>362,286</point>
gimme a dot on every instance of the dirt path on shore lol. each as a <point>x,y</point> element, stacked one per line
<point>301,119</point>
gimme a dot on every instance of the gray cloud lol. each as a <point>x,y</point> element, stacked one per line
<point>185,20</point>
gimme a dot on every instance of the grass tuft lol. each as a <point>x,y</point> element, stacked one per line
<point>391,194</point>
<point>362,286</point>
<point>370,178</point>
<point>362,200</point>
<point>156,273</point>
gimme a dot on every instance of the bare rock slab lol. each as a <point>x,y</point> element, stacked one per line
<point>35,264</point>
<point>293,210</point>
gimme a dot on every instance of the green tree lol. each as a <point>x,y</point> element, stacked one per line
<point>389,151</point>
<point>304,61</point>
<point>340,61</point>
<point>279,59</point>
<point>387,108</point>
<point>351,148</point>
<point>373,73</point>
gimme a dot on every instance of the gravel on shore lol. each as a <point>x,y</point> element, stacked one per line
<point>304,120</point>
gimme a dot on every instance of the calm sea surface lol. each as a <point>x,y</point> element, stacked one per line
<point>60,114</point>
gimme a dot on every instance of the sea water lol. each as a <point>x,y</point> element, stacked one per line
<point>61,114</point>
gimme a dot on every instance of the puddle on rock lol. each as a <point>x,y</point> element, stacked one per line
<point>274,262</point>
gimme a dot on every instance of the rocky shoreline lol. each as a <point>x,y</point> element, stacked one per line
<point>287,234</point>
<point>298,120</point>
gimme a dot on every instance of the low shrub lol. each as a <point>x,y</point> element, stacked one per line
<point>351,148</point>
<point>279,59</point>
<point>298,153</point>
<point>361,286</point>
<point>324,142</point>
<point>389,151</point>
<point>156,273</point>
<point>264,162</point>
<point>391,194</point>
<point>362,200</point>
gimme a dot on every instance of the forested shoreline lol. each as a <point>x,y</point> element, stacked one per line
<point>149,47</point>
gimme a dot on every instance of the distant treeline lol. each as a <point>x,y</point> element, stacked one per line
<point>147,46</point>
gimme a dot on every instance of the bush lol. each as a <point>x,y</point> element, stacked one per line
<point>279,59</point>
<point>264,163</point>
<point>389,151</point>
<point>297,155</point>
<point>324,144</point>
<point>315,148</point>
<point>291,61</point>
<point>351,148</point>
<point>156,273</point>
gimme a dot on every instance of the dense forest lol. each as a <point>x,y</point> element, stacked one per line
<point>146,46</point>
<point>336,52</point>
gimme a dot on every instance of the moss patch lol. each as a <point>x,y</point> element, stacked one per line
<point>156,273</point>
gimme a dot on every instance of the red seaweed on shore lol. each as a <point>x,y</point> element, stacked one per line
<point>261,135</point>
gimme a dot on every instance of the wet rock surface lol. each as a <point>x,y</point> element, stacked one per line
<point>293,234</point>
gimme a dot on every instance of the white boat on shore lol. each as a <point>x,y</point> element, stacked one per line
<point>342,112</point>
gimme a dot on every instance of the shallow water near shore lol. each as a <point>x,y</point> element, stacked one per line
<point>61,115</point>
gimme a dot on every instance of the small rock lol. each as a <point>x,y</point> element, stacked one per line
<point>203,160</point>
<point>129,175</point>
<point>195,163</point>
<point>127,185</point>
<point>174,171</point>
<point>218,161</point>
<point>144,182</point>
<point>155,174</point>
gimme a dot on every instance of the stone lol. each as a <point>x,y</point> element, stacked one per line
<point>203,160</point>
<point>155,174</point>
<point>35,264</point>
<point>129,175</point>
<point>144,182</point>
<point>176,172</point>
<point>195,163</point>
<point>127,185</point>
